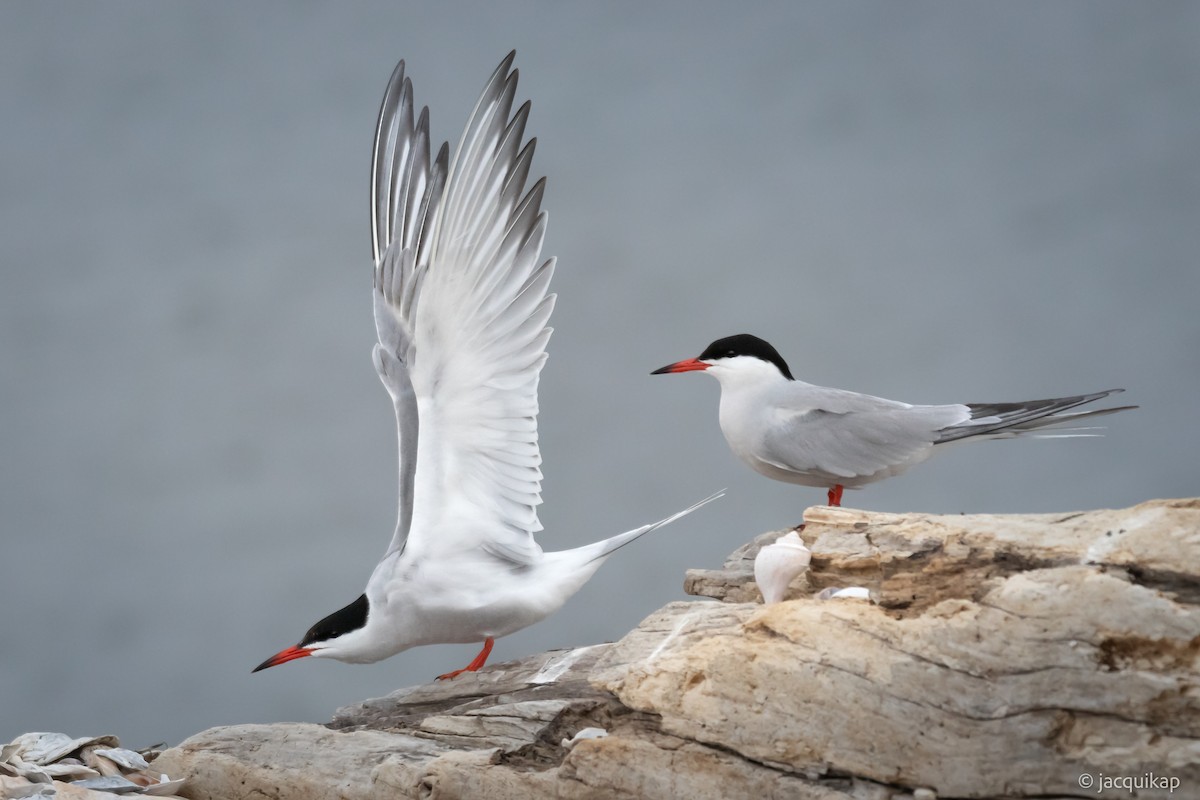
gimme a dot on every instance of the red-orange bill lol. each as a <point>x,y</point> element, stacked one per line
<point>284,656</point>
<point>682,366</point>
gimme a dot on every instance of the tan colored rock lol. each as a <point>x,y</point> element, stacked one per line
<point>912,561</point>
<point>675,768</point>
<point>1060,671</point>
<point>446,741</point>
<point>292,760</point>
<point>1010,655</point>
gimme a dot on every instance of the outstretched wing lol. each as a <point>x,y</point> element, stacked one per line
<point>461,307</point>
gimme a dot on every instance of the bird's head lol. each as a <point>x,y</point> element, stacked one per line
<point>336,636</point>
<point>738,358</point>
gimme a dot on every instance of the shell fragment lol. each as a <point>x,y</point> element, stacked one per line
<point>42,764</point>
<point>776,565</point>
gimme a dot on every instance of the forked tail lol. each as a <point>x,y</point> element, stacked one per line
<point>1003,420</point>
<point>590,556</point>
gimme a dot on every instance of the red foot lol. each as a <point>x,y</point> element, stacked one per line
<point>474,665</point>
<point>835,495</point>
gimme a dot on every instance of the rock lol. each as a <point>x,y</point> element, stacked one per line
<point>1009,657</point>
<point>735,582</point>
<point>913,561</point>
<point>1061,671</point>
<point>497,733</point>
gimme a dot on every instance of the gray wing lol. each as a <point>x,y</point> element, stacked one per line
<point>406,191</point>
<point>406,188</point>
<point>462,302</point>
<point>391,357</point>
<point>841,436</point>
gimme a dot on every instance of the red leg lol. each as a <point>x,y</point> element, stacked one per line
<point>474,665</point>
<point>835,495</point>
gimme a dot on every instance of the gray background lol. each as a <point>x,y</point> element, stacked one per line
<point>935,203</point>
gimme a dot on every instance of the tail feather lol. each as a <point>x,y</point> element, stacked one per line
<point>561,573</point>
<point>603,549</point>
<point>1006,420</point>
<point>1060,419</point>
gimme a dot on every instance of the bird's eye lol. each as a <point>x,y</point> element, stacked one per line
<point>730,354</point>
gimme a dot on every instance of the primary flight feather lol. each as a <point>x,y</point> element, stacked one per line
<point>461,307</point>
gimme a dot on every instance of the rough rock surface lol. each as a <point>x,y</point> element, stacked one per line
<point>1004,657</point>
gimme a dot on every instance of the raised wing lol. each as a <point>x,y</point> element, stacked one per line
<point>461,313</point>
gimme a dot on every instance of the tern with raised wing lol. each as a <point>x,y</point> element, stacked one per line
<point>834,439</point>
<point>461,306</point>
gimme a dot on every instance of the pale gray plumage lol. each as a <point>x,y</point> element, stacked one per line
<point>811,435</point>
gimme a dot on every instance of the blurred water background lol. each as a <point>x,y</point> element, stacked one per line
<point>932,202</point>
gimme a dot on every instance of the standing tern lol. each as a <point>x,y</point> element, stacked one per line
<point>461,306</point>
<point>796,432</point>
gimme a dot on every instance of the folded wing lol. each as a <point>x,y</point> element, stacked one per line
<point>839,436</point>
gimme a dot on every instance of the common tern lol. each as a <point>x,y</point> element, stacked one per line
<point>796,432</point>
<point>461,305</point>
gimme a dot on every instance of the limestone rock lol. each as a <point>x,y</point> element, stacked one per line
<point>1009,657</point>
<point>496,734</point>
<point>1060,671</point>
<point>912,561</point>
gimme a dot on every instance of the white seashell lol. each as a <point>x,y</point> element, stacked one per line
<point>847,593</point>
<point>105,766</point>
<point>102,764</point>
<point>164,787</point>
<point>114,784</point>
<point>33,773</point>
<point>127,759</point>
<point>586,733</point>
<point>64,770</point>
<point>46,748</point>
<point>777,564</point>
<point>142,778</point>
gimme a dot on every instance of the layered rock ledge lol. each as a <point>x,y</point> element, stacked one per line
<point>1013,656</point>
